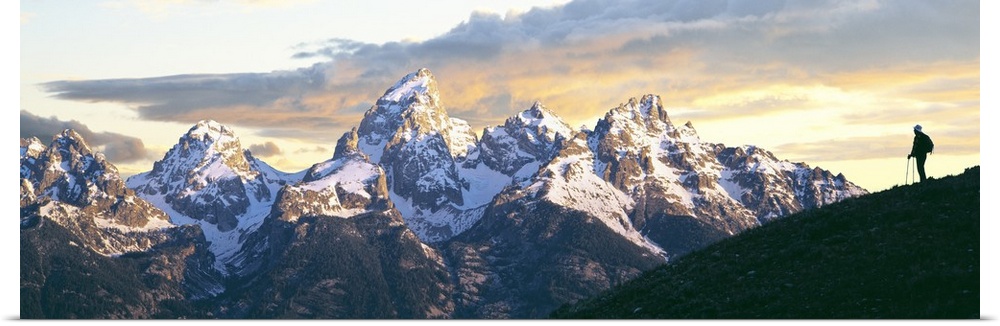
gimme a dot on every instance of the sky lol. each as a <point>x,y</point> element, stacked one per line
<point>834,84</point>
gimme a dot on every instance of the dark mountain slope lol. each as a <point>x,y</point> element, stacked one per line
<point>909,252</point>
<point>60,279</point>
<point>523,260</point>
<point>368,266</point>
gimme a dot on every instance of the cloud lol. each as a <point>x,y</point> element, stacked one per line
<point>330,48</point>
<point>265,150</point>
<point>585,57</point>
<point>317,149</point>
<point>116,147</point>
<point>285,101</point>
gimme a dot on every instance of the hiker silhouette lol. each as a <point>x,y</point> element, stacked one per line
<point>922,145</point>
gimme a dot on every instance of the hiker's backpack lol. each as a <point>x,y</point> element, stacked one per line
<point>928,144</point>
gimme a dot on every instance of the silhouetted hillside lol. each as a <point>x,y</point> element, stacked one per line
<point>910,252</point>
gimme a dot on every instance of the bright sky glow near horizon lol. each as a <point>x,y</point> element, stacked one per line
<point>835,84</point>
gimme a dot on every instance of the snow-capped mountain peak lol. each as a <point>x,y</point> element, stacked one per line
<point>210,130</point>
<point>208,179</point>
<point>411,110</point>
<point>211,149</point>
<point>637,117</point>
<point>541,121</point>
<point>69,140</point>
<point>78,189</point>
<point>415,88</point>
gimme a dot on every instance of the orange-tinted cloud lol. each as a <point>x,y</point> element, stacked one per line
<point>722,59</point>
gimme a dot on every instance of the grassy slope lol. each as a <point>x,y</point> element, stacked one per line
<point>910,252</point>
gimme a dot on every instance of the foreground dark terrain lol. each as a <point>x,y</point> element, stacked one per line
<point>910,252</point>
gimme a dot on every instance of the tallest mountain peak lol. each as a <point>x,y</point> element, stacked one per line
<point>412,109</point>
<point>415,88</point>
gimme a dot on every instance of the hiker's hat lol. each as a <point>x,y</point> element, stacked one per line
<point>918,128</point>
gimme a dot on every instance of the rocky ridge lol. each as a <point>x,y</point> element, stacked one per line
<point>68,184</point>
<point>208,179</point>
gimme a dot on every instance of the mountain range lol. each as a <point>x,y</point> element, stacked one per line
<point>414,216</point>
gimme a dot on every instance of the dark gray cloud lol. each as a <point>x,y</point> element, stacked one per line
<point>329,49</point>
<point>169,97</point>
<point>265,150</point>
<point>118,148</point>
<point>689,47</point>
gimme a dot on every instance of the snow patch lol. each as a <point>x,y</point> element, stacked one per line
<point>484,184</point>
<point>152,225</point>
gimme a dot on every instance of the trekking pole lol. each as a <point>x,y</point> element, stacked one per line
<point>906,179</point>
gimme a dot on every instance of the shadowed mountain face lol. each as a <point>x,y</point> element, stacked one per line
<point>366,266</point>
<point>909,252</point>
<point>415,216</point>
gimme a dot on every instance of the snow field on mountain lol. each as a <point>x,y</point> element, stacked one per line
<point>223,244</point>
<point>574,185</point>
<point>484,184</point>
<point>350,175</point>
<point>438,225</point>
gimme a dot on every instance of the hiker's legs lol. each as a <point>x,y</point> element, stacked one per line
<point>920,166</point>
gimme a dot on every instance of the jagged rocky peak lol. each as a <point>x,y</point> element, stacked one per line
<point>69,141</point>
<point>69,171</point>
<point>32,142</point>
<point>412,137</point>
<point>347,145</point>
<point>669,171</point>
<point>343,187</point>
<point>411,109</point>
<point>414,99</point>
<point>210,130</point>
<point>31,151</point>
<point>645,115</point>
<point>31,147</point>
<point>530,136</point>
<point>207,176</point>
<point>208,138</point>
<point>541,121</point>
<point>649,107</point>
<point>69,180</point>
<point>346,185</point>
<point>210,150</point>
<point>415,90</point>
<point>688,134</point>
